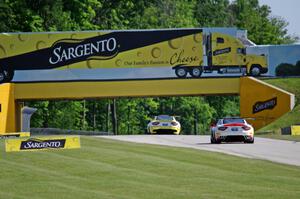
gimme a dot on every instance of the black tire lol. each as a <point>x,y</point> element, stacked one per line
<point>218,141</point>
<point>10,75</point>
<point>250,141</point>
<point>147,132</point>
<point>196,72</point>
<point>2,76</point>
<point>181,72</point>
<point>212,140</point>
<point>255,70</point>
<point>6,75</point>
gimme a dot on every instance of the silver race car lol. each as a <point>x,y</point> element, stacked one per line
<point>232,130</point>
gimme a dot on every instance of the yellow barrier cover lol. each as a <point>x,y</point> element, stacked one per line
<point>295,129</point>
<point>42,143</point>
<point>14,135</point>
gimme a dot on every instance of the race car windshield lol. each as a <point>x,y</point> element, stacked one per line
<point>164,117</point>
<point>233,120</point>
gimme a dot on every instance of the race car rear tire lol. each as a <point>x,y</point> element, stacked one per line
<point>250,141</point>
<point>218,141</point>
<point>212,140</point>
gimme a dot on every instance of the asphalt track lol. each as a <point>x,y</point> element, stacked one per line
<point>280,151</point>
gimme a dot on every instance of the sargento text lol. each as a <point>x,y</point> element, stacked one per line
<point>62,54</point>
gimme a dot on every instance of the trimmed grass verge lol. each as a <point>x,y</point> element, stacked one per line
<point>110,169</point>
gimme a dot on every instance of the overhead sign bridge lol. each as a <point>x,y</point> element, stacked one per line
<point>258,100</point>
<point>114,59</point>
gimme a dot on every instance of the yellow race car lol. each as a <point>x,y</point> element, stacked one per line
<point>164,124</point>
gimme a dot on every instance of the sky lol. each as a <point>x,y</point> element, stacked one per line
<point>289,10</point>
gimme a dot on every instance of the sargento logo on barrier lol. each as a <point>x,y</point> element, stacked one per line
<point>93,48</point>
<point>260,106</point>
<point>42,144</point>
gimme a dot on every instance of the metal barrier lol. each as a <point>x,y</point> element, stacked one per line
<point>27,112</point>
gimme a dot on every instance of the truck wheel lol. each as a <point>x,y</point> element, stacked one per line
<point>180,72</point>
<point>255,70</point>
<point>196,72</point>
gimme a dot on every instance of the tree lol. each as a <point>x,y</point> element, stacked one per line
<point>262,28</point>
<point>212,13</point>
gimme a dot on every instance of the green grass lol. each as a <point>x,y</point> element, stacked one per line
<point>295,138</point>
<point>111,169</point>
<point>286,120</point>
<point>273,130</point>
<point>289,84</point>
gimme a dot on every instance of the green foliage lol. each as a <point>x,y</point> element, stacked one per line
<point>286,69</point>
<point>212,13</point>
<point>262,27</point>
<point>168,14</point>
<point>225,106</point>
<point>47,15</point>
<point>62,114</point>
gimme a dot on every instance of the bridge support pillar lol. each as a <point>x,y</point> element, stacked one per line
<point>9,109</point>
<point>263,103</point>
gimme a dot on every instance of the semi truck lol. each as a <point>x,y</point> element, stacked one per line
<point>186,51</point>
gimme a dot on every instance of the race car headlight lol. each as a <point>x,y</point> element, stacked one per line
<point>174,123</point>
<point>155,123</point>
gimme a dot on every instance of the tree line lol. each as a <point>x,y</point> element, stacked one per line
<point>130,115</point>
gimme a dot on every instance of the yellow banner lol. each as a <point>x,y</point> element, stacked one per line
<point>295,129</point>
<point>42,143</point>
<point>14,135</point>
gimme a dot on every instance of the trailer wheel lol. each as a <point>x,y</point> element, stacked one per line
<point>196,72</point>
<point>255,70</point>
<point>2,76</point>
<point>6,75</point>
<point>9,75</point>
<point>180,72</point>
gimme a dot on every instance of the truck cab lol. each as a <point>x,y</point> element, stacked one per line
<point>227,54</point>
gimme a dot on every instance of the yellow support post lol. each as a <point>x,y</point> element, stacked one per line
<point>7,109</point>
<point>263,103</point>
